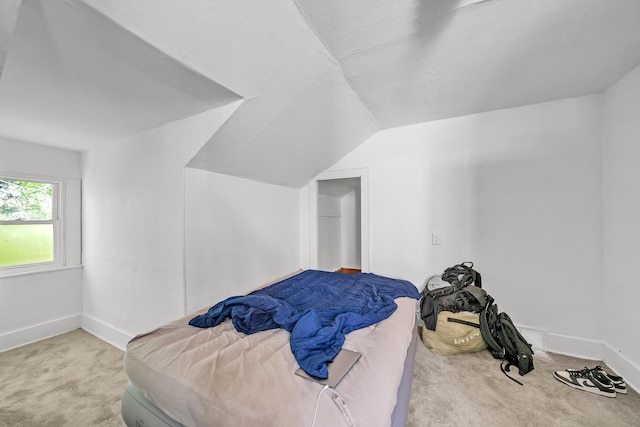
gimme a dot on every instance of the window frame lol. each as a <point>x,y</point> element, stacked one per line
<point>58,204</point>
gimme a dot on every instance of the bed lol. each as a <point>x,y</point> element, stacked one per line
<point>182,375</point>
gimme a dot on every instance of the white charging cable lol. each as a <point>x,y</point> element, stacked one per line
<point>315,413</point>
<point>337,399</point>
<point>339,402</point>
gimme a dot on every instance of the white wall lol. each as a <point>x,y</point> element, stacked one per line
<point>329,232</point>
<point>350,223</point>
<point>516,191</point>
<point>39,305</point>
<point>133,229</point>
<point>621,213</point>
<point>240,234</point>
<point>339,244</point>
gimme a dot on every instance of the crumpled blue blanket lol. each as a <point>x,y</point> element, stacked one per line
<point>318,308</point>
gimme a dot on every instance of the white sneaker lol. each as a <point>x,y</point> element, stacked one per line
<point>587,381</point>
<point>618,382</point>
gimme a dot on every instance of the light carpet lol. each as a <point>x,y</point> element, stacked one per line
<point>75,379</point>
<point>470,390</point>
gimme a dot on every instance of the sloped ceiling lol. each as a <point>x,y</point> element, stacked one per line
<point>413,61</point>
<point>8,15</point>
<point>317,77</point>
<point>74,79</point>
<point>300,115</point>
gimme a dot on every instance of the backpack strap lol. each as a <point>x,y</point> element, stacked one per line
<point>522,355</point>
<point>463,274</point>
<point>505,369</point>
<point>488,329</point>
<point>462,322</point>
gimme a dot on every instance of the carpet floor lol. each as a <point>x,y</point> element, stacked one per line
<point>75,379</point>
<point>470,390</point>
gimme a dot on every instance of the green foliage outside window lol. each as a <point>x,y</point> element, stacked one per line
<point>23,242</point>
<point>25,200</point>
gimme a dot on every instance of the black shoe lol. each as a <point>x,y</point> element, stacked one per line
<point>618,382</point>
<point>587,381</point>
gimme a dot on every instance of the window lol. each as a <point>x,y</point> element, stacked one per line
<point>30,223</point>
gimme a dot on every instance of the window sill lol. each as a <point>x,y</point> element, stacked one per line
<point>53,269</point>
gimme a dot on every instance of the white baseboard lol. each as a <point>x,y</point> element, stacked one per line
<point>624,367</point>
<point>575,346</point>
<point>585,349</point>
<point>39,332</point>
<point>564,344</point>
<point>108,333</point>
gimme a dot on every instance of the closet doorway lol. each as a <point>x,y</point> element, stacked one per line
<point>340,219</point>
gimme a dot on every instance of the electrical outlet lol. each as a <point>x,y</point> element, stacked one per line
<point>436,238</point>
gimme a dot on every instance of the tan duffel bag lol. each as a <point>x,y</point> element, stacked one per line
<point>451,337</point>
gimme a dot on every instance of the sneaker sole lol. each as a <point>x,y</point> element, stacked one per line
<point>618,383</point>
<point>584,387</point>
<point>604,378</point>
<point>622,389</point>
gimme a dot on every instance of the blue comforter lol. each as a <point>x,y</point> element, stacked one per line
<point>318,308</point>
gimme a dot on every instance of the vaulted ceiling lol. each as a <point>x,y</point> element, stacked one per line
<point>316,78</point>
<point>75,79</point>
<point>8,15</point>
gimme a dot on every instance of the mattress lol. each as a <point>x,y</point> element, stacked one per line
<point>219,377</point>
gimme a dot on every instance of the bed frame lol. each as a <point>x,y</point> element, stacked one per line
<point>139,412</point>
